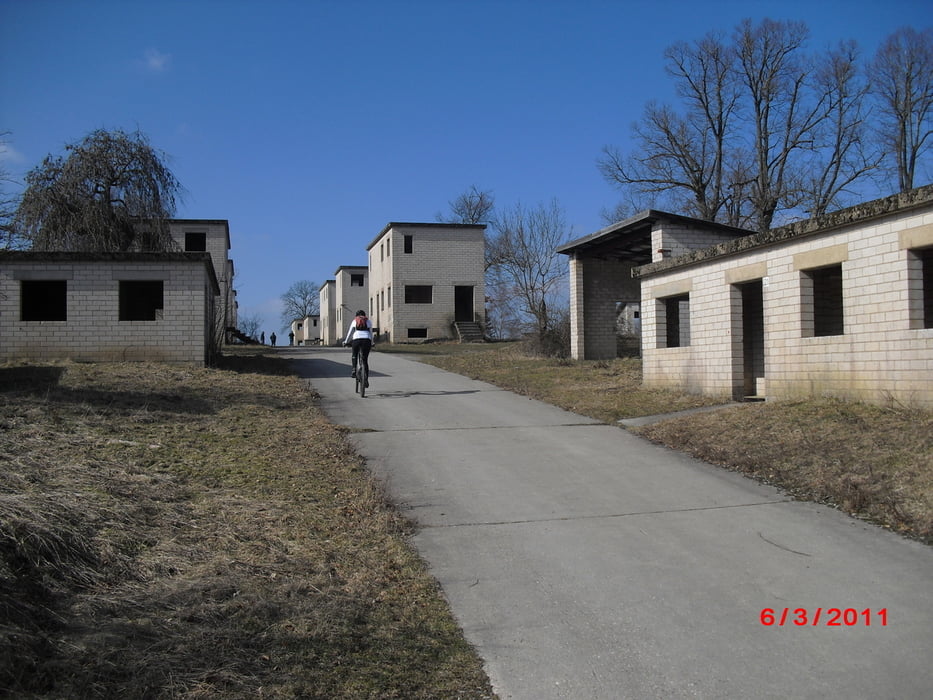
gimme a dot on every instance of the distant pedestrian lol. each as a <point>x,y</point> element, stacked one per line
<point>262,338</point>
<point>272,339</point>
<point>291,338</point>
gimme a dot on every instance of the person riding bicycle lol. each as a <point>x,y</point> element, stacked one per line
<point>360,337</point>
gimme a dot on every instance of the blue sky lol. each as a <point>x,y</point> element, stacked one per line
<point>311,125</point>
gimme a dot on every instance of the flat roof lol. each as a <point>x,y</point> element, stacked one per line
<point>413,224</point>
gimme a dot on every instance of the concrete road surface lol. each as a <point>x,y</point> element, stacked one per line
<point>584,562</point>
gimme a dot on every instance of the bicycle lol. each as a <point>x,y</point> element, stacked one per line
<point>362,378</point>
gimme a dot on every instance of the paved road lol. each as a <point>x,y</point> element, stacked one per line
<point>583,562</point>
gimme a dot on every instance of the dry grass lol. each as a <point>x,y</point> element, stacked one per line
<point>200,533</point>
<point>872,462</point>
<point>605,389</point>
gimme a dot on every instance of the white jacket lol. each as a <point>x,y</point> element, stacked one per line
<point>355,333</point>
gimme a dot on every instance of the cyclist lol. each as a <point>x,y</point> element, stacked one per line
<point>360,337</point>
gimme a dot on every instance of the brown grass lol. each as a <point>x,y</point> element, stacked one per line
<point>873,462</point>
<point>200,533</point>
<point>605,389</point>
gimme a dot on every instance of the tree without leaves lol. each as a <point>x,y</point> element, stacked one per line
<point>840,156</point>
<point>7,203</point>
<point>764,128</point>
<point>775,77</point>
<point>302,299</point>
<point>471,207</point>
<point>249,325</point>
<point>112,192</point>
<point>685,156</point>
<point>902,81</point>
<point>524,261</point>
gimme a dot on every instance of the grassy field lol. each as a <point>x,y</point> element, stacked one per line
<point>204,533</point>
<point>872,462</point>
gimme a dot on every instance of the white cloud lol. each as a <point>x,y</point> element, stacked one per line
<point>8,154</point>
<point>156,61</point>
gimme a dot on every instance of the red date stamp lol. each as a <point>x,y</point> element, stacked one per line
<point>826,617</point>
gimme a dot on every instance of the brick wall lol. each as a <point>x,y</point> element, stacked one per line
<point>92,330</point>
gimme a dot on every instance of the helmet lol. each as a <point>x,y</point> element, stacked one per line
<point>361,313</point>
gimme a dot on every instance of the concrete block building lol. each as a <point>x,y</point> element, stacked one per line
<point>327,296</point>
<point>840,305</point>
<point>340,299</point>
<point>352,294</point>
<point>107,307</point>
<point>307,330</point>
<point>424,278</point>
<point>211,236</point>
<point>605,299</point>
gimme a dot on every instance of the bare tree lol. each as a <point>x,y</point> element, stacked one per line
<point>249,325</point>
<point>902,81</point>
<point>764,127</point>
<point>774,72</point>
<point>302,299</point>
<point>525,262</point>
<point>840,155</point>
<point>685,155</point>
<point>471,207</point>
<point>7,202</point>
<point>112,192</point>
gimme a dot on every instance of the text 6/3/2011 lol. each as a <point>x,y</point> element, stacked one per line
<point>827,617</point>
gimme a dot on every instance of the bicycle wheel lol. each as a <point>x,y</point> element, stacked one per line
<point>362,379</point>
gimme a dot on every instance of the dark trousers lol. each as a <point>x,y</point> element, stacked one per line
<point>361,347</point>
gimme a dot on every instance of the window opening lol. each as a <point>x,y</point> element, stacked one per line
<point>822,297</point>
<point>141,300</point>
<point>409,244</point>
<point>195,242</point>
<point>417,332</point>
<point>418,293</point>
<point>676,313</point>
<point>43,300</point>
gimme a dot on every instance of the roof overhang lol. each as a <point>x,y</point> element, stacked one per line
<point>630,240</point>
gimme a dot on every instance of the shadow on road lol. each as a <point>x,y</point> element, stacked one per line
<point>406,394</point>
<point>326,369</point>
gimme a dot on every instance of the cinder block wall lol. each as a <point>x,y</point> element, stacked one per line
<point>671,239</point>
<point>93,331</point>
<point>330,335</point>
<point>884,353</point>
<point>595,288</point>
<point>217,237</point>
<point>349,298</point>
<point>443,256</point>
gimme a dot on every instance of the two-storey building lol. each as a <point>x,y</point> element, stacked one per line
<point>424,278</point>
